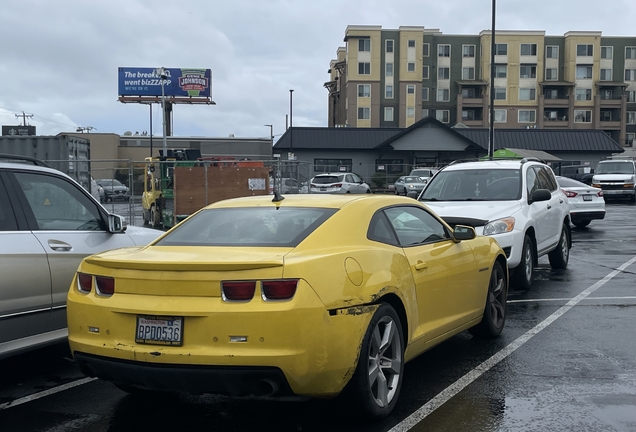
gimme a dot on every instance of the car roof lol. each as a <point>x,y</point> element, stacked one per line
<point>28,167</point>
<point>310,200</point>
<point>490,164</point>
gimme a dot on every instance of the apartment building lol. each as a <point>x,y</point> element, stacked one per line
<point>393,78</point>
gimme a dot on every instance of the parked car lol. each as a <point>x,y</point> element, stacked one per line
<point>616,176</point>
<point>586,202</point>
<point>48,224</point>
<point>582,173</point>
<point>338,183</point>
<point>425,173</point>
<point>518,202</point>
<point>406,185</point>
<point>305,296</point>
<point>114,190</point>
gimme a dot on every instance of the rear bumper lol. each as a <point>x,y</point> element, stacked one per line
<point>587,215</point>
<point>611,193</point>
<point>232,381</point>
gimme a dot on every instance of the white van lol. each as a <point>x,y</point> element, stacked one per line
<point>616,176</point>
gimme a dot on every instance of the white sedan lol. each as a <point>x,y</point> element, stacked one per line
<point>586,202</point>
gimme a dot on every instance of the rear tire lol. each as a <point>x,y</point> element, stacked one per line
<point>560,256</point>
<point>375,385</point>
<point>522,277</point>
<point>494,317</point>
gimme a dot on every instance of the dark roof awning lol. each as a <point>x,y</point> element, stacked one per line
<point>471,83</point>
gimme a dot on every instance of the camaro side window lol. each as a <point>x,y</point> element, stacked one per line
<point>415,226</point>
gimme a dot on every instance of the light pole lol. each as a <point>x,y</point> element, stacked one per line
<point>271,140</point>
<point>491,132</point>
<point>291,124</point>
<point>163,75</point>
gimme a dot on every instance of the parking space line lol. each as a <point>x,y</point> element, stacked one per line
<point>45,393</point>
<point>569,298</point>
<point>459,385</point>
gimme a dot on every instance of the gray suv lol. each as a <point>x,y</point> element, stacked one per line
<point>48,224</point>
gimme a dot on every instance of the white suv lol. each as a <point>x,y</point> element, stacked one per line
<point>518,202</point>
<point>338,183</point>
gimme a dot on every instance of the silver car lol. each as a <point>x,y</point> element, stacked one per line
<point>48,224</point>
<point>338,183</point>
<point>412,185</point>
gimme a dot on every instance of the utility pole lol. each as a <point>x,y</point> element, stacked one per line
<point>163,74</point>
<point>86,129</point>
<point>24,117</point>
<point>491,130</point>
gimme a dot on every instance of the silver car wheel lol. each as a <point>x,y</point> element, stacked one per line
<point>385,361</point>
<point>565,250</point>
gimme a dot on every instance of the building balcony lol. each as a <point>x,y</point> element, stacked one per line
<point>614,102</point>
<point>610,124</point>
<point>555,124</point>
<point>473,123</point>
<point>560,102</point>
<point>472,102</point>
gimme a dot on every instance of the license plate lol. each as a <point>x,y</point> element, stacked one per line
<point>159,330</point>
<point>587,197</point>
<point>323,189</point>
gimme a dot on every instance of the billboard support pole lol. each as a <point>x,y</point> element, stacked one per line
<point>150,129</point>
<point>162,73</point>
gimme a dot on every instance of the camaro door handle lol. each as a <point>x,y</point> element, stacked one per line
<point>60,246</point>
<point>421,265</point>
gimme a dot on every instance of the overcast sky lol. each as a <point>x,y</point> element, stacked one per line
<point>59,58</point>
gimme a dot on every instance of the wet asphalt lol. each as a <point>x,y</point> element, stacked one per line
<point>558,366</point>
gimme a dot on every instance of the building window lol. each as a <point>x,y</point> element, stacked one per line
<point>424,93</point>
<point>631,117</point>
<point>583,50</point>
<point>390,166</point>
<point>501,116</point>
<point>552,51</point>
<point>606,116</point>
<point>527,71</point>
<point>629,141</point>
<point>425,72</point>
<point>501,71</point>
<point>501,49</point>
<point>364,45</point>
<point>500,93</point>
<point>389,45</point>
<point>468,115</point>
<point>364,90</point>
<point>389,69</point>
<point>606,74</point>
<point>425,113</point>
<point>551,93</point>
<point>410,67</point>
<point>443,95</point>
<point>631,96</point>
<point>630,52</point>
<point>364,68</point>
<point>443,73</point>
<point>607,52</point>
<point>410,112</point>
<point>582,116</point>
<point>528,49</point>
<point>630,74</point>
<point>468,73</point>
<point>332,165</point>
<point>468,51</point>
<point>583,94</point>
<point>411,43</point>
<point>527,116</point>
<point>364,113</point>
<point>443,50</point>
<point>443,115</point>
<point>388,92</point>
<point>388,114</point>
<point>426,50</point>
<point>552,74</point>
<point>410,89</point>
<point>468,93</point>
<point>527,94</point>
<point>583,71</point>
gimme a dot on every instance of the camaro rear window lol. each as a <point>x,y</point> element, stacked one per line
<point>248,226</point>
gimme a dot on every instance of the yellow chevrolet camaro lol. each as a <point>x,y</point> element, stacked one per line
<point>304,295</point>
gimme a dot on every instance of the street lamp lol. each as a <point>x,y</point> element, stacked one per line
<point>491,130</point>
<point>291,124</point>
<point>163,74</point>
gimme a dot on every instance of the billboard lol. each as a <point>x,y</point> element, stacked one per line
<point>18,130</point>
<point>179,82</point>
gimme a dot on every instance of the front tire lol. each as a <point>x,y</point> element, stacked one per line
<point>522,276</point>
<point>375,385</point>
<point>559,257</point>
<point>494,317</point>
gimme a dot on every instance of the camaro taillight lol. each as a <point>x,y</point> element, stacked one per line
<point>105,285</point>
<point>238,291</point>
<point>84,282</point>
<point>279,289</point>
<point>569,194</point>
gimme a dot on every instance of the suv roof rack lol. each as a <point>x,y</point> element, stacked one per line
<point>19,158</point>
